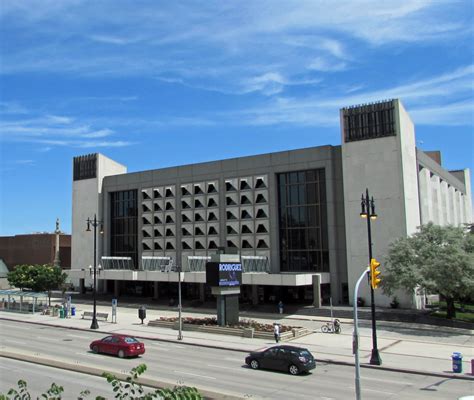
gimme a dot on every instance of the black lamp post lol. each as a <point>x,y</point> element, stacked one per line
<point>368,212</point>
<point>95,223</point>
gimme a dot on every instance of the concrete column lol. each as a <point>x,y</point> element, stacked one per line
<point>202,292</point>
<point>254,295</point>
<point>155,290</point>
<point>82,286</point>
<point>116,289</point>
<point>426,196</point>
<point>461,208</point>
<point>437,210</point>
<point>445,204</point>
<point>456,212</point>
<point>317,291</point>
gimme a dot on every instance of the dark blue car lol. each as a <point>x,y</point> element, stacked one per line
<point>292,359</point>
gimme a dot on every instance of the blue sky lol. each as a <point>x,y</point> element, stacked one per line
<point>152,84</point>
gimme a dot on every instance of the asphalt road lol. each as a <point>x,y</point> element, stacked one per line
<point>207,368</point>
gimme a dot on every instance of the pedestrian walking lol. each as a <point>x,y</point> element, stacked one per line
<point>280,307</point>
<point>276,332</point>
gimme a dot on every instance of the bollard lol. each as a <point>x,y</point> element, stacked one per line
<point>457,362</point>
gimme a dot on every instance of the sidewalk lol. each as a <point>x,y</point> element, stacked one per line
<point>403,347</point>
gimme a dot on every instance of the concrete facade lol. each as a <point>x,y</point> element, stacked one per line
<point>186,212</point>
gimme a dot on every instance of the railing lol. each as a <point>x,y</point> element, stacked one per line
<point>117,263</point>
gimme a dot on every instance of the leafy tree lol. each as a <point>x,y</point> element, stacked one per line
<point>439,259</point>
<point>39,278</point>
<point>123,390</point>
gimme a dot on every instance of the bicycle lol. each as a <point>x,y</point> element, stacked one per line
<point>332,327</point>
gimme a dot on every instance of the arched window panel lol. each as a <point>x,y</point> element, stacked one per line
<point>146,194</point>
<point>245,184</point>
<point>157,193</point>
<point>158,219</point>
<point>147,245</point>
<point>232,228</point>
<point>262,244</point>
<point>262,227</point>
<point>146,221</point>
<point>186,190</point>
<point>146,207</point>
<point>170,245</point>
<point>231,199</point>
<point>246,228</point>
<point>261,182</point>
<point>198,231</point>
<point>158,232</point>
<point>157,206</point>
<point>261,212</point>
<point>231,244</point>
<point>186,231</point>
<point>212,187</point>
<point>231,185</point>
<point>213,244</point>
<point>187,216</point>
<point>169,191</point>
<point>246,213</point>
<point>231,214</point>
<point>212,216</point>
<point>212,201</point>
<point>261,198</point>
<point>212,229</point>
<point>158,245</point>
<point>146,233</point>
<point>244,199</point>
<point>170,218</point>
<point>198,203</point>
<point>186,245</point>
<point>199,217</point>
<point>198,188</point>
<point>169,205</point>
<point>198,245</point>
<point>185,204</point>
<point>247,244</point>
<point>169,232</point>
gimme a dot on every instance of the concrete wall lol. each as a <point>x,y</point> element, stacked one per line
<point>87,202</point>
<point>387,167</point>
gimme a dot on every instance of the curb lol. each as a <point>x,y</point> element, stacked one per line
<point>320,360</point>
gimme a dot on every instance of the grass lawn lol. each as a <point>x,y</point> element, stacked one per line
<point>466,315</point>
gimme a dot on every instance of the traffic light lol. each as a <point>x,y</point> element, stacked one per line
<point>374,273</point>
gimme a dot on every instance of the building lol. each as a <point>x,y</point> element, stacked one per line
<point>35,248</point>
<point>293,216</point>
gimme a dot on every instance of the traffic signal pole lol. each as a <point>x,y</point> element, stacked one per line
<point>355,337</point>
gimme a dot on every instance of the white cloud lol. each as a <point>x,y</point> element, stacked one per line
<point>325,65</point>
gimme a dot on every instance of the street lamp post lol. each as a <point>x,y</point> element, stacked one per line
<point>180,321</point>
<point>95,223</point>
<point>368,212</point>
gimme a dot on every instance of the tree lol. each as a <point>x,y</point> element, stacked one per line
<point>439,259</point>
<point>39,278</point>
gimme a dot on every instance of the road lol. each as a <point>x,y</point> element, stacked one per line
<point>219,370</point>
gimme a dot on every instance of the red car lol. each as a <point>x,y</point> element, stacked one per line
<point>120,345</point>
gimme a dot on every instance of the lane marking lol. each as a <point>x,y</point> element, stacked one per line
<point>234,359</point>
<point>78,336</point>
<point>220,367</point>
<point>387,381</point>
<point>13,341</point>
<point>199,376</point>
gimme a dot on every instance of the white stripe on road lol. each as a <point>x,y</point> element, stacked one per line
<point>13,341</point>
<point>79,336</point>
<point>190,373</point>
<point>220,367</point>
<point>234,359</point>
<point>387,381</point>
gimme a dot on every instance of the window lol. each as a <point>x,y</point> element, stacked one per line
<point>302,221</point>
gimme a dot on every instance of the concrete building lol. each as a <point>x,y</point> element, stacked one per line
<point>293,216</point>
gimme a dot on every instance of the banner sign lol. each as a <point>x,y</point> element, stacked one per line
<point>223,274</point>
